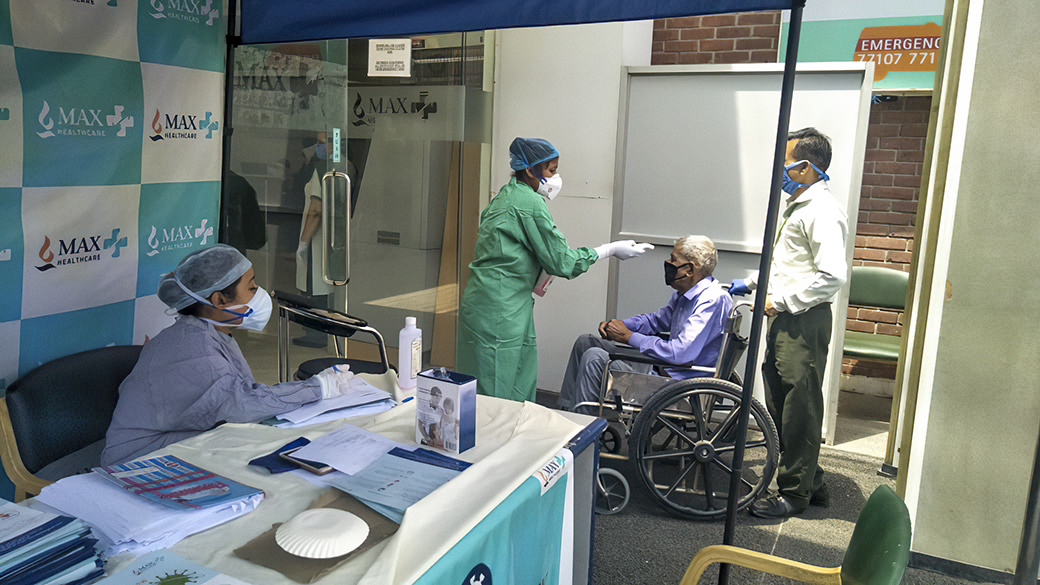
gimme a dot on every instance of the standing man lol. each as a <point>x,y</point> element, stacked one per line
<point>807,270</point>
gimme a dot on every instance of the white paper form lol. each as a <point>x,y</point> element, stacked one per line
<point>353,411</point>
<point>348,449</point>
<point>361,392</point>
<point>394,482</point>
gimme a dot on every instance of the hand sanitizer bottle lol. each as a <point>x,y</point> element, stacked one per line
<point>409,356</point>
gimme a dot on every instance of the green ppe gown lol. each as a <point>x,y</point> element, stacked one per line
<point>516,239</point>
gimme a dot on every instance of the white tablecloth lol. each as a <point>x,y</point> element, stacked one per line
<point>513,441</point>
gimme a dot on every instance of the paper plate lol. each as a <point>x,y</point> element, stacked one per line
<point>321,533</point>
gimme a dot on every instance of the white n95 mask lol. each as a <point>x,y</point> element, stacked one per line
<point>550,188</point>
<point>257,311</point>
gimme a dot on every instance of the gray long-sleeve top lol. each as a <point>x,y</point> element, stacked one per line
<point>190,378</point>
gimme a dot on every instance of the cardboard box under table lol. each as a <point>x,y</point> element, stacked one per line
<point>461,525</point>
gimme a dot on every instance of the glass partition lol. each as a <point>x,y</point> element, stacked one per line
<point>367,187</point>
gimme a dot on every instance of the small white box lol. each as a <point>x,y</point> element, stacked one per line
<point>446,410</point>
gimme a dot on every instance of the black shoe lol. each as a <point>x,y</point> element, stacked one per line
<point>773,506</point>
<point>821,497</point>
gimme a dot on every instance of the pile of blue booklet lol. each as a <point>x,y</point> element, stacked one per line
<point>38,548</point>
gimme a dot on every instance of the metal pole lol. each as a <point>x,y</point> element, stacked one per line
<point>1029,548</point>
<point>768,238</point>
<point>232,41</point>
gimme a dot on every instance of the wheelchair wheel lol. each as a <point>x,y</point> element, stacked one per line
<point>610,440</point>
<point>612,491</point>
<point>683,440</point>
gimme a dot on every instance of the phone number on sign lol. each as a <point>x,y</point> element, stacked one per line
<point>914,58</point>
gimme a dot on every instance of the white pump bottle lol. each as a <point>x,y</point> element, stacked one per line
<point>409,356</point>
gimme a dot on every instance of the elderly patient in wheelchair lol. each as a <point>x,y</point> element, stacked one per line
<point>687,332</point>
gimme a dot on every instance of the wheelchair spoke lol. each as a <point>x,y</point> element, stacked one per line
<point>709,493</point>
<point>750,445</point>
<point>675,430</point>
<point>725,426</point>
<point>667,455</point>
<point>680,479</point>
<point>729,471</point>
<point>698,415</point>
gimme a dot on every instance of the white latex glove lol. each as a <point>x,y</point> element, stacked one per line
<point>622,249</point>
<point>335,381</point>
<point>301,252</point>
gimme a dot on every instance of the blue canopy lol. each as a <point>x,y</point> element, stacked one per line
<point>278,21</point>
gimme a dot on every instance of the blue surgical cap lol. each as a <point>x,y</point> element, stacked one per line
<point>527,152</point>
<point>203,272</point>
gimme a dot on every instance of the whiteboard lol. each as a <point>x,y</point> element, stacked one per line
<point>697,145</point>
<point>695,155</point>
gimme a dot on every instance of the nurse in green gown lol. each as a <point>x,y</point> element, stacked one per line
<point>517,239</point>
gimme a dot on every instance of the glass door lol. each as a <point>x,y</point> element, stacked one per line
<point>367,187</point>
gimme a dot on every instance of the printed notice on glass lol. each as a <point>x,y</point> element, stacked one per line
<point>390,57</point>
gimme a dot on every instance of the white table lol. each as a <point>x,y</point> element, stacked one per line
<point>513,441</point>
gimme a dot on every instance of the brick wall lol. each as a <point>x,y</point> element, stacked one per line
<point>749,37</point>
<point>888,208</point>
<point>891,172</point>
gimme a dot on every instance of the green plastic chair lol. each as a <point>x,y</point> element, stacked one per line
<point>875,287</point>
<point>877,553</point>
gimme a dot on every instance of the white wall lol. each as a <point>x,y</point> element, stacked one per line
<point>562,84</point>
<point>978,409</point>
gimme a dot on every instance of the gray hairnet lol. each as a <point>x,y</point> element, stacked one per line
<point>527,152</point>
<point>203,272</point>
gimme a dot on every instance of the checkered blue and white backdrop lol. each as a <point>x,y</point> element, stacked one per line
<point>111,117</point>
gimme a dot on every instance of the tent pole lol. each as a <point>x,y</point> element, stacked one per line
<point>773,210</point>
<point>232,40</point>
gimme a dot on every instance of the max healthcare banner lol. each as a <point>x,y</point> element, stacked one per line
<point>110,153</point>
<point>526,539</point>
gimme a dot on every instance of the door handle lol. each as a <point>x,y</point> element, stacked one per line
<point>330,235</point>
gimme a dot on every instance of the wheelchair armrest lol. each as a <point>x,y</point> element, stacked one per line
<point>630,354</point>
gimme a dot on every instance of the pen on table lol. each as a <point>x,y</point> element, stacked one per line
<point>407,399</point>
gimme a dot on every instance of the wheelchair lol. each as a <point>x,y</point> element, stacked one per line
<point>682,433</point>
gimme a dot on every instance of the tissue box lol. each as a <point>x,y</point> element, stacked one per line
<point>446,410</point>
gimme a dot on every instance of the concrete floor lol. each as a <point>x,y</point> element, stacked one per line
<point>643,544</point>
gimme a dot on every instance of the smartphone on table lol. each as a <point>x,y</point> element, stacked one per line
<point>315,467</point>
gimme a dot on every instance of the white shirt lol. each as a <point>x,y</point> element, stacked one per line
<point>809,264</point>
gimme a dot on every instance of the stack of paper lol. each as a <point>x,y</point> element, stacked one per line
<point>362,398</point>
<point>46,549</point>
<point>398,479</point>
<point>128,522</point>
<point>164,567</point>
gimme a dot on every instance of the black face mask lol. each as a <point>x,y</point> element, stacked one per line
<point>670,272</point>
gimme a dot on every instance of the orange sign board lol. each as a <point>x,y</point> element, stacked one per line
<point>899,48</point>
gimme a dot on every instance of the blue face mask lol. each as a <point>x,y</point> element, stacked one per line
<point>789,185</point>
<point>320,151</point>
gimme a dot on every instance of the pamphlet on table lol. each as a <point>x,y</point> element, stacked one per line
<point>40,547</point>
<point>162,567</point>
<point>175,483</point>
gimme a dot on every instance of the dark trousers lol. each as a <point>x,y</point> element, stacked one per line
<point>796,355</point>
